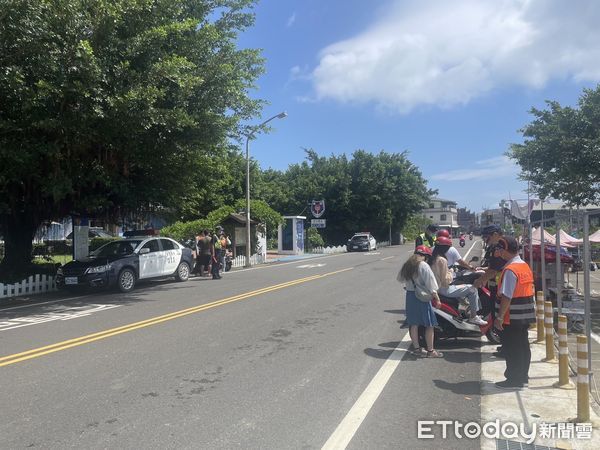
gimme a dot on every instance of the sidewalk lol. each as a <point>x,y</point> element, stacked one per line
<point>534,406</point>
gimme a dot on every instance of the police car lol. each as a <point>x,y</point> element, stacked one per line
<point>123,262</point>
<point>361,241</point>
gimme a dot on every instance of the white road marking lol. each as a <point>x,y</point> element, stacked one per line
<point>469,251</point>
<point>29,305</point>
<point>371,253</point>
<point>386,258</point>
<point>346,430</point>
<point>595,337</point>
<point>309,266</point>
<point>60,313</point>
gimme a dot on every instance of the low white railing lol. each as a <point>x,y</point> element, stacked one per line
<point>35,284</point>
<point>240,260</point>
<point>340,248</point>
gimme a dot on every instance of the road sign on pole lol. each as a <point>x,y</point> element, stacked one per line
<point>317,223</point>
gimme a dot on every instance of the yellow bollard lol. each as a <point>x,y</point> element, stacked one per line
<point>548,315</point>
<point>539,307</point>
<point>563,355</point>
<point>583,381</point>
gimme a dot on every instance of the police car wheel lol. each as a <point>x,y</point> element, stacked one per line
<point>183,272</point>
<point>126,280</point>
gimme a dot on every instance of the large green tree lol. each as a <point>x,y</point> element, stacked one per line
<point>374,192</point>
<point>113,105</point>
<point>560,154</point>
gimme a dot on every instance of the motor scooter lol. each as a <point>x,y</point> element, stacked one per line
<point>471,236</point>
<point>461,241</point>
<point>453,314</point>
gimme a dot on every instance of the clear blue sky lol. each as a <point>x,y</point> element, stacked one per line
<point>451,82</point>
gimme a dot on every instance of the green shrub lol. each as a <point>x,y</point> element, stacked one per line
<point>314,238</point>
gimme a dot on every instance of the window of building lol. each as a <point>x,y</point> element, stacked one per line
<point>442,217</point>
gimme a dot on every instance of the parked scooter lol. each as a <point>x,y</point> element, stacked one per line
<point>228,260</point>
<point>453,314</point>
<point>471,236</point>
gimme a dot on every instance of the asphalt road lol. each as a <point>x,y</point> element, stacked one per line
<point>294,355</point>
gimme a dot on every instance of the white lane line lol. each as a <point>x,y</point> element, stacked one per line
<point>469,251</point>
<point>595,337</point>
<point>387,257</point>
<point>346,430</point>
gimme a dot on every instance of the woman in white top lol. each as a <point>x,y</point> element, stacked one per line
<point>420,313</point>
<point>439,266</point>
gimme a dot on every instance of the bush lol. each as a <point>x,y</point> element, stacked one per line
<point>313,238</point>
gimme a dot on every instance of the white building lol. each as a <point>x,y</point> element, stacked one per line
<point>443,213</point>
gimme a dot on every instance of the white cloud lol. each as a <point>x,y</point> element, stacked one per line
<point>487,169</point>
<point>291,20</point>
<point>446,53</point>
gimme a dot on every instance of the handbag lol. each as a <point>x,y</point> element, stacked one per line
<point>421,293</point>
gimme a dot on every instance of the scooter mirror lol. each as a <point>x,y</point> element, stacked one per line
<point>474,259</point>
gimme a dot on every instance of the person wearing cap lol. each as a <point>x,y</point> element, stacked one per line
<point>443,276</point>
<point>491,264</point>
<point>492,267</point>
<point>428,238</point>
<point>416,271</point>
<point>516,312</point>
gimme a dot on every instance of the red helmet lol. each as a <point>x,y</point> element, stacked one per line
<point>423,250</point>
<point>443,233</point>
<point>443,241</point>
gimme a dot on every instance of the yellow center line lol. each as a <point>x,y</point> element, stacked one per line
<point>59,346</point>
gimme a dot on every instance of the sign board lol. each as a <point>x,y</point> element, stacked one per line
<point>317,208</point>
<point>240,235</point>
<point>318,223</point>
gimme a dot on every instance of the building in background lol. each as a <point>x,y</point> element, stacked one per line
<point>443,213</point>
<point>467,221</point>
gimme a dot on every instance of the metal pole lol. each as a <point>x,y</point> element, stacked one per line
<point>248,201</point>
<point>543,249</point>
<point>586,286</point>
<point>281,115</point>
<point>559,280</point>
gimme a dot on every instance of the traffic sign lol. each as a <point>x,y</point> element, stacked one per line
<point>317,223</point>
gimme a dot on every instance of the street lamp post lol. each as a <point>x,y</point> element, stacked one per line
<point>250,135</point>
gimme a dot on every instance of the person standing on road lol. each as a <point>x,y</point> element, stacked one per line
<point>428,238</point>
<point>416,272</point>
<point>216,254</point>
<point>492,265</point>
<point>443,277</point>
<point>516,312</point>
<point>204,252</point>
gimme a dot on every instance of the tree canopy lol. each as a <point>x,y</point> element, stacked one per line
<point>561,151</point>
<point>373,192</point>
<point>116,105</point>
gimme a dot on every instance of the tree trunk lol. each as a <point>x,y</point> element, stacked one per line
<point>18,230</point>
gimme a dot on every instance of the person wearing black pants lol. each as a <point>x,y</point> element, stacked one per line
<point>517,353</point>
<point>515,312</point>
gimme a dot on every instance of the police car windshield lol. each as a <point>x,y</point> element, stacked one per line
<point>116,248</point>
<point>360,238</point>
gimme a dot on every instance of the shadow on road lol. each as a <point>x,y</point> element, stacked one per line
<point>462,387</point>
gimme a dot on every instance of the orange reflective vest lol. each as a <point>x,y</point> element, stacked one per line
<point>522,305</point>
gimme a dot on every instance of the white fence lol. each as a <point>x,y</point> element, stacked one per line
<point>240,260</point>
<point>35,284</point>
<point>340,248</point>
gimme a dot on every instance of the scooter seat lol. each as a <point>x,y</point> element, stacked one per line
<point>450,301</point>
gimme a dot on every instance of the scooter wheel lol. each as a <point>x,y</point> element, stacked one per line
<point>493,336</point>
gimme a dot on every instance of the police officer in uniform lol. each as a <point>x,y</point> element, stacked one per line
<point>516,312</point>
<point>428,238</point>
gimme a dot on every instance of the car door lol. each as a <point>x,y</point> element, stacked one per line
<point>149,260</point>
<point>171,256</point>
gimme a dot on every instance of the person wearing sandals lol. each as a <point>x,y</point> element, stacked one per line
<point>420,313</point>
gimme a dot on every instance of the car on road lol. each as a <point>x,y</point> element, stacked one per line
<point>361,242</point>
<point>123,262</point>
